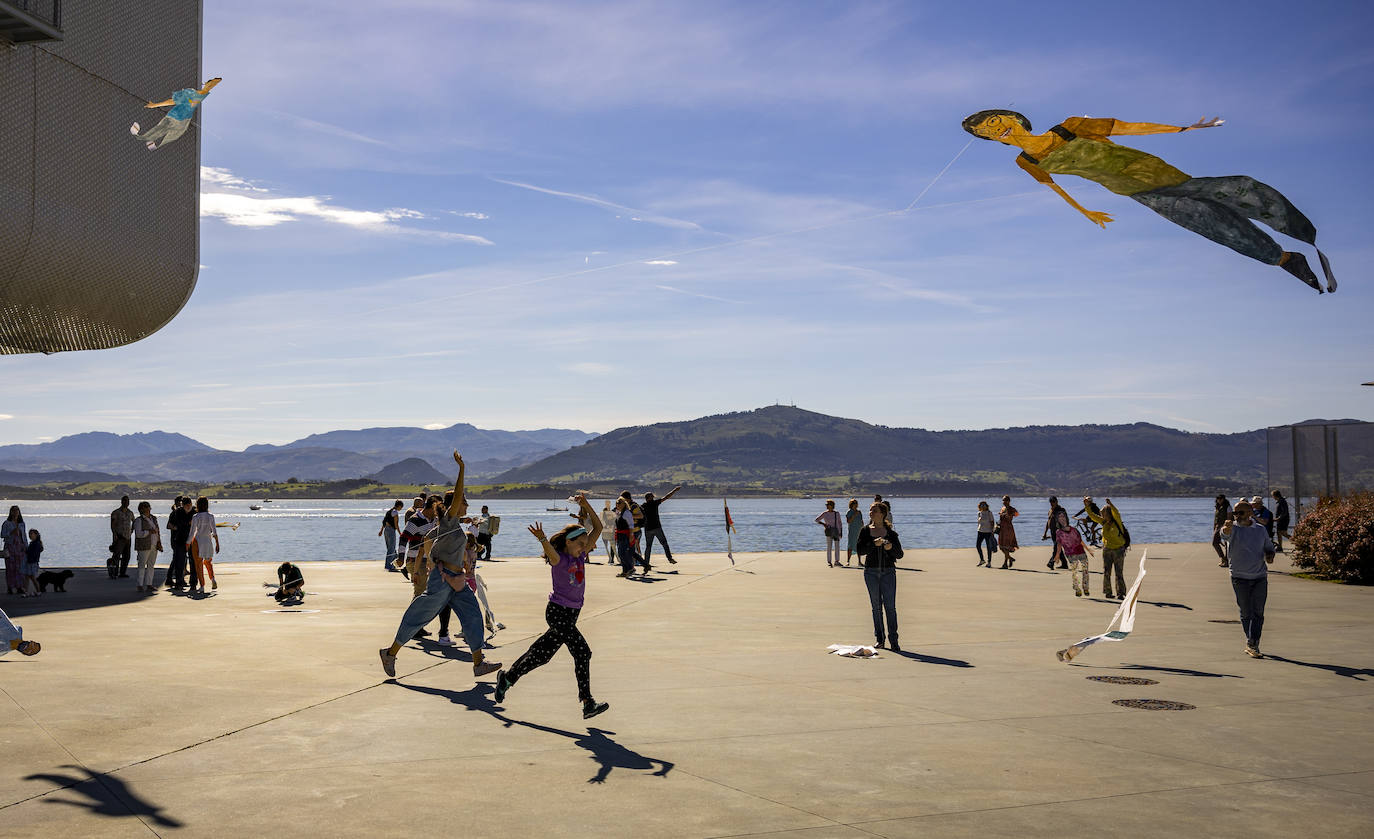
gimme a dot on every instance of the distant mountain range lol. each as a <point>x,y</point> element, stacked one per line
<point>788,448</point>
<point>767,450</point>
<point>158,455</point>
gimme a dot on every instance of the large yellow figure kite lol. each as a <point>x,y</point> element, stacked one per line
<point>1218,208</point>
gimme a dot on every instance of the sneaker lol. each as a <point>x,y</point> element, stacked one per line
<point>134,129</point>
<point>485,667</point>
<point>895,647</point>
<point>214,584</point>
<point>591,708</point>
<point>502,685</point>
<point>880,645</point>
<point>622,574</point>
<point>1121,597</point>
<point>1253,652</point>
<point>445,641</point>
<point>388,662</point>
<point>672,561</point>
<point>1078,594</point>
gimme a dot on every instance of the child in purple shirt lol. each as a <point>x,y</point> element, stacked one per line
<point>566,553</point>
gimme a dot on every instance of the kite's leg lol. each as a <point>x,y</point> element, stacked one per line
<point>1187,206</point>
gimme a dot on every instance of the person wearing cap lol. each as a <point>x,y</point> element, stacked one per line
<point>1262,514</point>
<point>566,553</point>
<point>12,638</point>
<point>1249,552</point>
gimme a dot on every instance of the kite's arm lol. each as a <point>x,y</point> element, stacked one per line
<point>205,91</point>
<point>1137,128</point>
<point>1096,217</point>
<point>167,104</point>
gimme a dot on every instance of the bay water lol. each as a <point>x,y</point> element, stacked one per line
<point>77,533</point>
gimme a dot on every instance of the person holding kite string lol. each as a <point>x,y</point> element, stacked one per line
<point>182,106</point>
<point>1216,207</point>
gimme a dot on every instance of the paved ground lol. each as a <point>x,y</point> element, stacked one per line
<point>224,717</point>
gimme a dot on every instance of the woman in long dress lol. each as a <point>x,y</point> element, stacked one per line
<point>15,536</point>
<point>1006,533</point>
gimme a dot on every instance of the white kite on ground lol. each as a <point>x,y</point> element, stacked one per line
<point>1123,620</point>
<point>853,651</point>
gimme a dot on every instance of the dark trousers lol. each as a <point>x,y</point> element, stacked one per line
<point>562,630</point>
<point>625,551</point>
<point>484,540</point>
<point>119,554</point>
<point>649,537</point>
<point>176,571</point>
<point>1250,597</point>
<point>978,545</point>
<point>1216,544</point>
<point>1113,560</point>
<point>882,595</point>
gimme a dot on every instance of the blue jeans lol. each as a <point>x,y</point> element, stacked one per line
<point>1250,597</point>
<point>882,594</point>
<point>438,594</point>
<point>649,537</point>
<point>389,535</point>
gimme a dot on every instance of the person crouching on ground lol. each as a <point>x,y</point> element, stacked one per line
<point>880,548</point>
<point>290,583</point>
<point>1249,551</point>
<point>566,554</point>
<point>446,587</point>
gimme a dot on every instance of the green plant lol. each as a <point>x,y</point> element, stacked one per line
<point>1336,540</point>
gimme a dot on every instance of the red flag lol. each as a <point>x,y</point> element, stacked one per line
<point>729,522</point>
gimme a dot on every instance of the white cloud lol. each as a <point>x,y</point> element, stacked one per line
<point>434,426</point>
<point>6,416</point>
<point>660,262</point>
<point>478,216</point>
<point>239,202</point>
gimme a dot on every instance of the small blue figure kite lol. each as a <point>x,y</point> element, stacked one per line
<point>182,108</point>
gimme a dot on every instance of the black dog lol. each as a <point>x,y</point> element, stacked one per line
<point>58,579</point>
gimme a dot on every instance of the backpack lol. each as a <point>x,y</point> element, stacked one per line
<point>638,513</point>
<point>1125,534</point>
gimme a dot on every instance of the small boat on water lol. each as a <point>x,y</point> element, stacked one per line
<point>255,506</point>
<point>555,509</point>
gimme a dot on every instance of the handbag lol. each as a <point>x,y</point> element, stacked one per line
<point>832,533</point>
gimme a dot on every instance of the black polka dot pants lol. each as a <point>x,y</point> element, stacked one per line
<point>562,630</point>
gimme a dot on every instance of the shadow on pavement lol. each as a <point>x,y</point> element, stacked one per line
<point>1177,671</point>
<point>1161,604</point>
<point>932,659</point>
<point>105,795</point>
<point>1356,673</point>
<point>609,754</point>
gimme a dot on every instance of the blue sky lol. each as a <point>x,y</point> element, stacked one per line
<point>533,214</point>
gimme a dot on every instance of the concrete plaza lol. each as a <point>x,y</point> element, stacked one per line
<point>226,716</point>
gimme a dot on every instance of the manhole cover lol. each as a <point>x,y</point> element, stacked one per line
<point>1219,621</point>
<point>1122,680</point>
<point>1154,704</point>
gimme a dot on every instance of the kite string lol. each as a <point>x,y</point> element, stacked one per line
<point>732,243</point>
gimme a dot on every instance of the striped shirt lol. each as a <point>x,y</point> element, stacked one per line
<point>417,528</point>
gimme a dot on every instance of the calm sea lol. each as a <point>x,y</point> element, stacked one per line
<point>77,532</point>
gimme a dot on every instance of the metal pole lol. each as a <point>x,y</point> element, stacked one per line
<point>1297,483</point>
<point>1336,458</point>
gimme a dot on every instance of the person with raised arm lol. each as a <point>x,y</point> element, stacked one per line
<point>447,586</point>
<point>566,554</point>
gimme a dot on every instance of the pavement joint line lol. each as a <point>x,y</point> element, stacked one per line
<point>1307,779</point>
<point>832,822</point>
<point>98,777</point>
<point>189,746</point>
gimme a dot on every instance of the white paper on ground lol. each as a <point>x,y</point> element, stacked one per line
<point>853,651</point>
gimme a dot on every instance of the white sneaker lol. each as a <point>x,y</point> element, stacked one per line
<point>445,641</point>
<point>134,129</point>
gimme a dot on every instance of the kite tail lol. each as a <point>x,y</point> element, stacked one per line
<point>1123,620</point>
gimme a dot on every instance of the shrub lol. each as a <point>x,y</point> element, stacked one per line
<point>1336,540</point>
